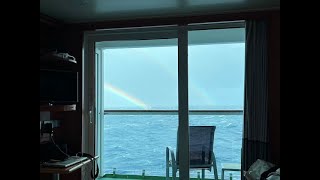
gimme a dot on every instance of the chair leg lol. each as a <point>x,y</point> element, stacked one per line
<point>215,166</point>
<point>167,173</point>
<point>222,175</point>
<point>167,164</point>
<point>174,173</point>
<point>167,168</point>
<point>203,174</point>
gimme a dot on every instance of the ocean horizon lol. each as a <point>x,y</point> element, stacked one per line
<point>133,143</point>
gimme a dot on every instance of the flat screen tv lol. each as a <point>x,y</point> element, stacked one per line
<point>58,87</point>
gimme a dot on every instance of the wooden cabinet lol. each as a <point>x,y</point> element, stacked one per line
<point>59,82</point>
<point>68,115</point>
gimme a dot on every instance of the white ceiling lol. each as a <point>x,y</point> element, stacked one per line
<point>75,11</point>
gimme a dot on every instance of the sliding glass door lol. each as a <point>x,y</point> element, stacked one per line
<point>216,91</point>
<point>144,87</point>
<point>139,84</point>
<point>140,105</point>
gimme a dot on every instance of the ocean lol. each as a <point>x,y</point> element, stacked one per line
<point>133,143</point>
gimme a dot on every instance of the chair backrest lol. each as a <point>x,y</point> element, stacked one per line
<point>201,146</point>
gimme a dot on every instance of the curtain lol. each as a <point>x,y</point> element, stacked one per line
<point>255,134</point>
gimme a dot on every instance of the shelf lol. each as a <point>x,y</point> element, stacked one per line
<point>56,57</point>
<point>58,63</point>
<point>58,108</point>
<point>65,170</point>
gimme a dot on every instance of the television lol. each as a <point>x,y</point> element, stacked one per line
<point>58,87</point>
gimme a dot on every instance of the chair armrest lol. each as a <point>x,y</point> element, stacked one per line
<point>170,151</point>
<point>172,163</point>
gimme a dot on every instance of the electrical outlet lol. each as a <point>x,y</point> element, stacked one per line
<point>47,126</point>
<point>55,123</point>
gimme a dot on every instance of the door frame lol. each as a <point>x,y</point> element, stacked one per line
<point>90,118</point>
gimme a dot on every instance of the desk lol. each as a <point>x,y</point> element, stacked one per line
<point>57,171</point>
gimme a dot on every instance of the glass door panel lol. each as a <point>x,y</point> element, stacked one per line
<point>216,91</point>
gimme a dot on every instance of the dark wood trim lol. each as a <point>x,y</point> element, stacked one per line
<point>173,20</point>
<point>50,21</point>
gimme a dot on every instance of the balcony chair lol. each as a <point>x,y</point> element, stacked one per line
<point>201,152</point>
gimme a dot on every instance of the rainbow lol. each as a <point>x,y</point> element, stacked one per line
<point>199,92</point>
<point>125,96</point>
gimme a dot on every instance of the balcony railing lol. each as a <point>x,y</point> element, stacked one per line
<point>194,114</point>
<point>172,112</point>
